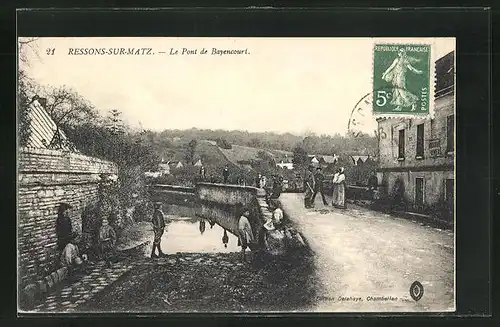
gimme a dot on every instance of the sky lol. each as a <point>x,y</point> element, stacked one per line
<point>296,85</point>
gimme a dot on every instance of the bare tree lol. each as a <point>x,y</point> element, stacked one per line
<point>67,107</point>
<point>27,45</point>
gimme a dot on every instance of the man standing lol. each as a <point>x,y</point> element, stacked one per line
<point>64,228</point>
<point>373,184</point>
<point>158,228</point>
<point>225,174</point>
<point>107,240</point>
<point>310,184</point>
<point>203,173</point>
<point>257,180</point>
<point>319,186</point>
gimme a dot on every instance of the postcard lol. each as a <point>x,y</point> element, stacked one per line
<point>165,174</point>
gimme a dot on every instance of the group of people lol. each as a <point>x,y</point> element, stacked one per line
<point>68,242</point>
<point>314,184</point>
<point>246,237</point>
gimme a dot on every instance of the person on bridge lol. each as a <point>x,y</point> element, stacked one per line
<point>245,234</point>
<point>373,185</point>
<point>319,186</point>
<point>158,228</point>
<point>225,174</point>
<point>203,173</point>
<point>277,213</point>
<point>310,184</point>
<point>258,180</point>
<point>339,194</point>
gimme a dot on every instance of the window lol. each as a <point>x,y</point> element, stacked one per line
<point>420,141</point>
<point>450,133</point>
<point>419,191</point>
<point>401,145</point>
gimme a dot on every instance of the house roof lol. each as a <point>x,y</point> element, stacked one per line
<point>330,159</point>
<point>43,132</point>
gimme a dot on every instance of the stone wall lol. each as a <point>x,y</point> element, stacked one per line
<point>218,202</point>
<point>47,178</point>
<point>434,130</point>
<point>434,167</point>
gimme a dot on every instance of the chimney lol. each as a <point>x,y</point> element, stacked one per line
<point>43,102</point>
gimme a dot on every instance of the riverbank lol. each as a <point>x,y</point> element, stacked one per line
<point>215,282</point>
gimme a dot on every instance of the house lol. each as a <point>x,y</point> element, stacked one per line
<point>313,160</point>
<point>330,160</point>
<point>164,168</point>
<point>198,163</point>
<point>285,165</point>
<point>419,153</point>
<point>42,131</point>
<point>179,165</point>
<point>359,160</point>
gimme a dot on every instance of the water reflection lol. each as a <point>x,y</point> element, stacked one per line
<point>183,235</point>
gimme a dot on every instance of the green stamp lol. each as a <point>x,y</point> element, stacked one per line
<point>402,79</point>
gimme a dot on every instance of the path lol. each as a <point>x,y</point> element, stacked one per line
<point>362,255</point>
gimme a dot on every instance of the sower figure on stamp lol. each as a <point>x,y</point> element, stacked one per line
<point>158,228</point>
<point>319,177</point>
<point>310,185</point>
<point>396,75</point>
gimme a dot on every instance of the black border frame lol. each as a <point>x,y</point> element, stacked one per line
<point>471,27</point>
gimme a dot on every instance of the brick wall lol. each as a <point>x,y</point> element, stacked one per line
<point>46,179</point>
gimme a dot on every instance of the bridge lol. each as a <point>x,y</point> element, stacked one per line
<point>217,203</point>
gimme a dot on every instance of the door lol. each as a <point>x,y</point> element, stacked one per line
<point>419,192</point>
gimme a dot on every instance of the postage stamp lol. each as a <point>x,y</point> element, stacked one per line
<point>402,79</point>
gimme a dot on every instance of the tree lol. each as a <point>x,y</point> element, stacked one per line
<point>190,151</point>
<point>115,122</point>
<point>300,158</point>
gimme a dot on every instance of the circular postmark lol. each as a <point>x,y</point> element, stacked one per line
<point>363,115</point>
<point>416,291</point>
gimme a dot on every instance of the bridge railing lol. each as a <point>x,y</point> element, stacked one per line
<point>218,203</point>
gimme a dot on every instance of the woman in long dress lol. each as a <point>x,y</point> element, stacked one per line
<point>335,188</point>
<point>341,189</point>
<point>396,75</point>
